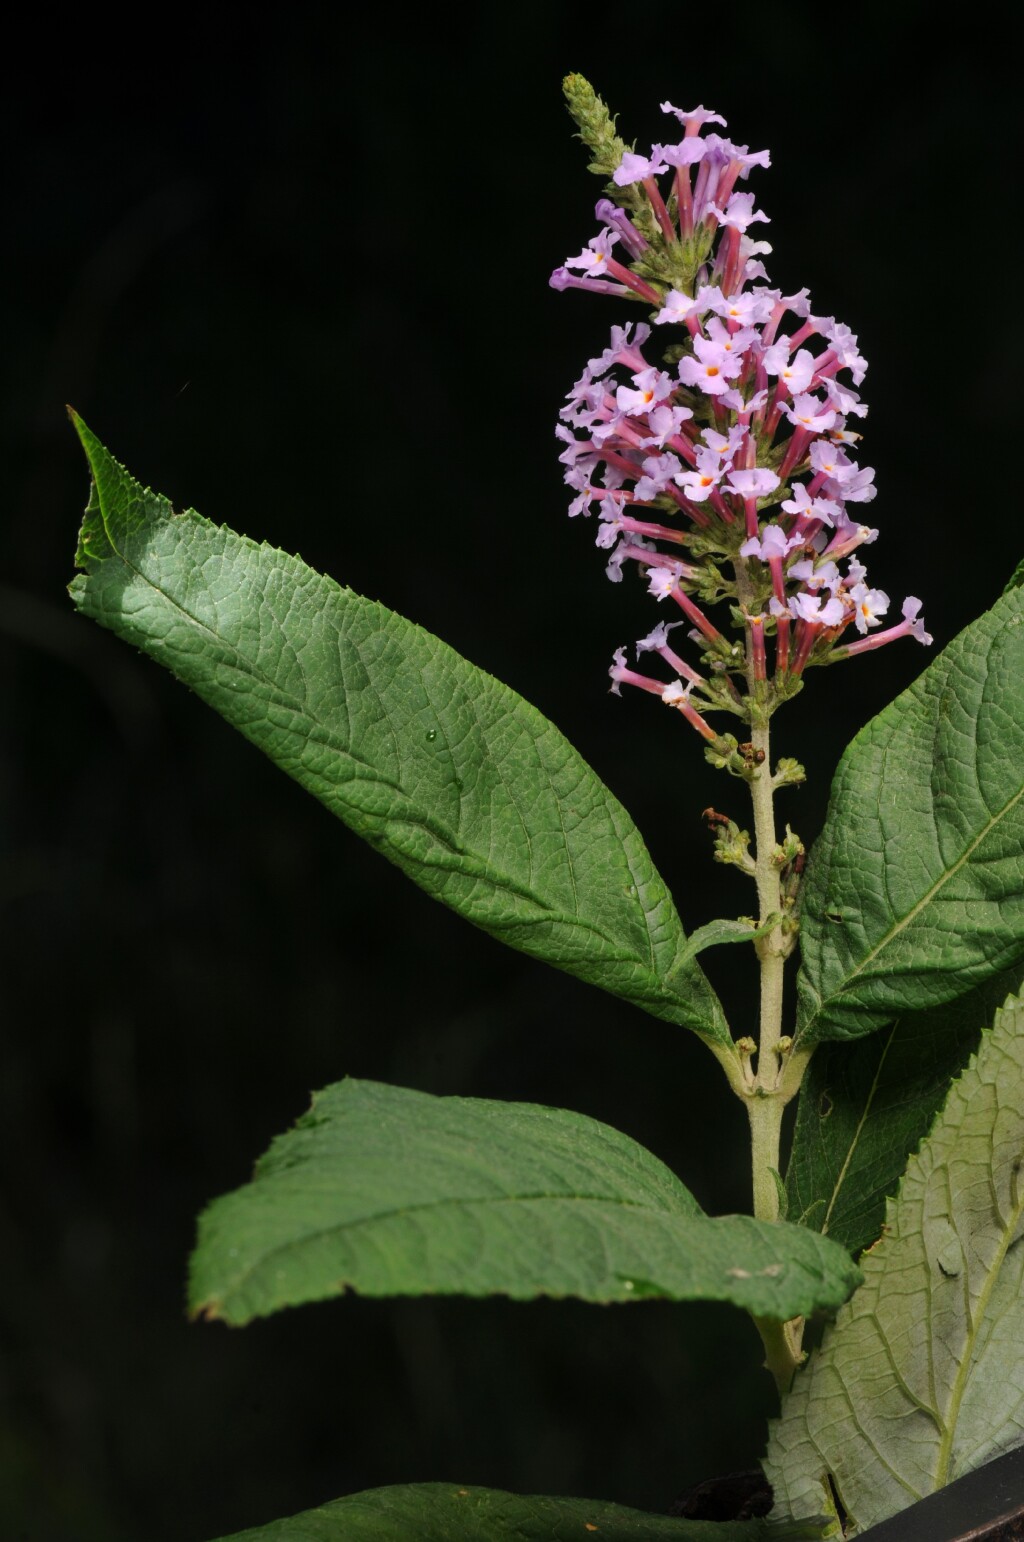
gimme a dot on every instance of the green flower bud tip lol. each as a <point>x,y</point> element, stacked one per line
<point>595,123</point>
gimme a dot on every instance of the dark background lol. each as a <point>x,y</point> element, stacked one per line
<point>296,277</point>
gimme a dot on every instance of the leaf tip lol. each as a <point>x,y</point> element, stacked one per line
<point>210,1310</point>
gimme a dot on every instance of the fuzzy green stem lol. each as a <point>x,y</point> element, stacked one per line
<point>764,1110</point>
<point>779,1070</point>
<point>767,1099</point>
<point>771,949</point>
<point>782,1353</point>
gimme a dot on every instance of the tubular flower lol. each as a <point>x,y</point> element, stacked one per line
<point>724,440</point>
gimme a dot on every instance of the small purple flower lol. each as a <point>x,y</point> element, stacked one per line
<point>747,308</point>
<point>664,423</point>
<point>735,401</point>
<point>696,119</point>
<point>562,279</point>
<point>848,538</point>
<point>818,575</point>
<point>773,542</point>
<point>725,445</point>
<point>912,625</point>
<point>860,487</point>
<point>811,607</point>
<point>870,604</point>
<point>710,368</point>
<point>657,638</point>
<point>594,257</point>
<point>610,214</point>
<point>637,168</point>
<point>621,350</point>
<point>678,308</point>
<point>796,374</point>
<point>650,386</point>
<point>915,626</point>
<point>659,471</point>
<point>755,482</point>
<point>739,212</point>
<point>662,581</point>
<point>699,483</point>
<point>844,399</point>
<point>685,154</point>
<point>806,507</point>
<point>810,413</point>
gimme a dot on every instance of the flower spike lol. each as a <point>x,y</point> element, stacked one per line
<point>730,448</point>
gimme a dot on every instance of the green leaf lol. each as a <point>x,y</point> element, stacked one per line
<point>914,893</point>
<point>454,1512</point>
<point>865,1106</point>
<point>922,1377</point>
<point>456,779</point>
<point>391,1192</point>
<point>718,932</point>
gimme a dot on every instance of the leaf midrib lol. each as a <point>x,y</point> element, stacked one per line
<point>399,1212</point>
<point>975,1319</point>
<point>915,910</point>
<point>869,1100</point>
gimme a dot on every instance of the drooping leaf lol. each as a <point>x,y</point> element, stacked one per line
<point>455,1512</point>
<point>456,779</point>
<point>914,892</point>
<point>390,1192</point>
<point>865,1106</point>
<point>921,1379</point>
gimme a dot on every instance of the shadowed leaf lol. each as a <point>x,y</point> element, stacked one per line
<point>865,1106</point>
<point>454,1512</point>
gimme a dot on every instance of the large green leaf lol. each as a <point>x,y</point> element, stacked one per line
<point>390,1192</point>
<point>454,1512</point>
<point>915,890</point>
<point>922,1377</point>
<point>449,773</point>
<point>865,1106</point>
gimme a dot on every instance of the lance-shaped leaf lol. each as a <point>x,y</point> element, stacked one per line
<point>455,1512</point>
<point>922,1377</point>
<point>915,890</point>
<point>865,1106</point>
<point>390,1192</point>
<point>449,773</point>
<point>715,933</point>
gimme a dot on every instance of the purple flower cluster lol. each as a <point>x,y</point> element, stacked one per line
<point>733,446</point>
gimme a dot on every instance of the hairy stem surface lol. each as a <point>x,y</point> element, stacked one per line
<point>779,1071</point>
<point>768,1096</point>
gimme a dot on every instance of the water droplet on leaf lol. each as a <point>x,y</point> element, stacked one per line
<point>431,735</point>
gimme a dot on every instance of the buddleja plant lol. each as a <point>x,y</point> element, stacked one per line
<point>715,443</point>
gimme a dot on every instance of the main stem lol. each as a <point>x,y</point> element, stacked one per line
<point>779,1070</point>
<point>768,1095</point>
<point>764,1106</point>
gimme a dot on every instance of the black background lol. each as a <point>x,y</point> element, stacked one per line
<point>296,276</point>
